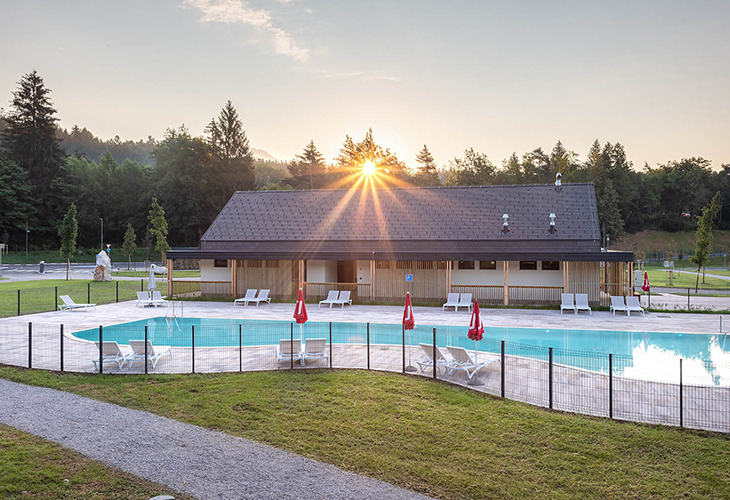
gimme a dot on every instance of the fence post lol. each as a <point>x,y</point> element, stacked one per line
<point>291,346</point>
<point>681,406</point>
<point>688,307</point>
<point>434,352</point>
<point>62,348</point>
<point>88,293</point>
<point>502,369</point>
<point>610,385</point>
<point>404,347</point>
<point>30,345</point>
<point>101,349</point>
<point>18,302</point>
<point>550,375</point>
<point>141,284</point>
<point>330,344</point>
<point>55,293</point>
<point>240,347</point>
<point>192,338</point>
<point>145,349</point>
<point>368,345</point>
<point>117,291</point>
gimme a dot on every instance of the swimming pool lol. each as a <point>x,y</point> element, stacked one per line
<point>645,355</point>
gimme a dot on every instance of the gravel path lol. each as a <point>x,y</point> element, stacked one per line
<point>190,459</point>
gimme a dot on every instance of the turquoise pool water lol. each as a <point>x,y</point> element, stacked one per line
<point>643,355</point>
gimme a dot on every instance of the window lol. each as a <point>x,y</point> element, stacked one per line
<point>466,264</point>
<point>528,265</point>
<point>272,264</point>
<point>551,265</point>
<point>403,264</point>
<point>220,263</point>
<point>382,264</point>
<point>487,264</point>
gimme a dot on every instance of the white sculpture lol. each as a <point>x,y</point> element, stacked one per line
<point>103,271</point>
<point>158,269</point>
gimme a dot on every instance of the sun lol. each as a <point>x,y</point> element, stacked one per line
<point>368,167</point>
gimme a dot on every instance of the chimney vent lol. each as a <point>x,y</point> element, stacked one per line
<point>553,230</point>
<point>558,179</point>
<point>505,225</point>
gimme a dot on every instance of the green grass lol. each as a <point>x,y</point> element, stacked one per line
<point>658,278</point>
<point>39,296</point>
<point>646,242</point>
<point>34,468</point>
<point>428,436</point>
<point>86,255</point>
<point>146,274</point>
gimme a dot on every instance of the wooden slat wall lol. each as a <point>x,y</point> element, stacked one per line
<point>584,277</point>
<point>359,292</point>
<point>428,285</point>
<point>485,294</point>
<point>279,276</point>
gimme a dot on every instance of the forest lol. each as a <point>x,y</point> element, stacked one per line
<point>44,169</point>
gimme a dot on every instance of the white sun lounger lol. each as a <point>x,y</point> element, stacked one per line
<point>566,302</point>
<point>464,362</point>
<point>263,297</point>
<point>250,296</point>
<point>633,304</point>
<point>289,350</point>
<point>153,353</point>
<point>464,301</point>
<point>331,298</point>
<point>617,304</point>
<point>157,299</point>
<point>111,352</point>
<point>314,349</point>
<point>70,305</point>
<point>441,363</point>
<point>452,300</point>
<point>143,299</point>
<point>344,298</point>
<point>581,303</point>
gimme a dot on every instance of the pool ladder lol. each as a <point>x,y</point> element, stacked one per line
<point>723,328</point>
<point>171,313</point>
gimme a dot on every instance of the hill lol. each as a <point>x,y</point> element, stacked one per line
<point>646,243</point>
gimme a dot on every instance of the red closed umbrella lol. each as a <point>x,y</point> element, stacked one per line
<point>647,287</point>
<point>409,323</point>
<point>476,333</point>
<point>300,314</point>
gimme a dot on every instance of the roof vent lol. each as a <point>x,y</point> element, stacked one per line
<point>505,225</point>
<point>552,224</point>
<point>558,179</point>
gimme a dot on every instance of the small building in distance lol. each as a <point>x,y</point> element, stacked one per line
<point>506,245</point>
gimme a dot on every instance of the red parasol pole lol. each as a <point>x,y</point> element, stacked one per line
<point>647,288</point>
<point>476,333</point>
<point>409,323</point>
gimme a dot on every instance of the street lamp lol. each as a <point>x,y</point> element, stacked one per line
<point>101,237</point>
<point>27,231</point>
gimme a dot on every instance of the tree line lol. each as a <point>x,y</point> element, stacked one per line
<point>45,169</point>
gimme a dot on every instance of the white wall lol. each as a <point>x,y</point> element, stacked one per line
<point>516,276</point>
<point>315,271</point>
<point>330,271</point>
<point>210,273</point>
<point>363,271</point>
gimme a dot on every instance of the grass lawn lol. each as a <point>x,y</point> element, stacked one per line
<point>431,437</point>
<point>39,296</point>
<point>658,278</point>
<point>35,468</point>
<point>146,274</point>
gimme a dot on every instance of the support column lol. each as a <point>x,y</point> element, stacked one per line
<point>449,264</point>
<point>234,278</point>
<point>566,277</point>
<point>372,281</point>
<point>505,266</point>
<point>169,278</point>
<point>301,274</point>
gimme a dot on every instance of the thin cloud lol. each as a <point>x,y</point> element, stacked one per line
<point>357,74</point>
<point>238,11</point>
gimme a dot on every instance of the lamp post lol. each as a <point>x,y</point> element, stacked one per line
<point>101,237</point>
<point>608,240</point>
<point>27,231</point>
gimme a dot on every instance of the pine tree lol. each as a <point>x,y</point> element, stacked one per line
<point>353,155</point>
<point>308,169</point>
<point>427,174</point>
<point>15,198</point>
<point>130,244</point>
<point>158,228</point>
<point>704,235</point>
<point>69,232</point>
<point>233,168</point>
<point>30,141</point>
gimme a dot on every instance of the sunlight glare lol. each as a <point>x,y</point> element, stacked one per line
<point>368,167</point>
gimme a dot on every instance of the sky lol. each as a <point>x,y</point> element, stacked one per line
<point>499,77</point>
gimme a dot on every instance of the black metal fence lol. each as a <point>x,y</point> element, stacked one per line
<point>37,299</point>
<point>686,392</point>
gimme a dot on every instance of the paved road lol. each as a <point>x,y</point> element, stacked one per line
<point>190,459</point>
<point>58,271</point>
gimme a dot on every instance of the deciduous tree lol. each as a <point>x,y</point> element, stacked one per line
<point>158,228</point>
<point>130,244</point>
<point>69,232</point>
<point>704,235</point>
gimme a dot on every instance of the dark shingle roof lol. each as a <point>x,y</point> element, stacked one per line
<point>408,214</point>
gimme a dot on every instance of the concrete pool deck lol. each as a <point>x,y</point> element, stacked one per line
<point>123,312</point>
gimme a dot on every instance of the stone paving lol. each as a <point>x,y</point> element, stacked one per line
<point>526,378</point>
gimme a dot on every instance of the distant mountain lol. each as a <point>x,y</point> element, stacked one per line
<point>260,153</point>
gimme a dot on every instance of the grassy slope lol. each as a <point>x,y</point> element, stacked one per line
<point>435,438</point>
<point>658,278</point>
<point>39,295</point>
<point>38,469</point>
<point>652,241</point>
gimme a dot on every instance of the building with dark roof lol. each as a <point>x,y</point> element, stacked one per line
<point>504,244</point>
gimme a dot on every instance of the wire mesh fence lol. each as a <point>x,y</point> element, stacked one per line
<point>689,393</point>
<point>37,299</point>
